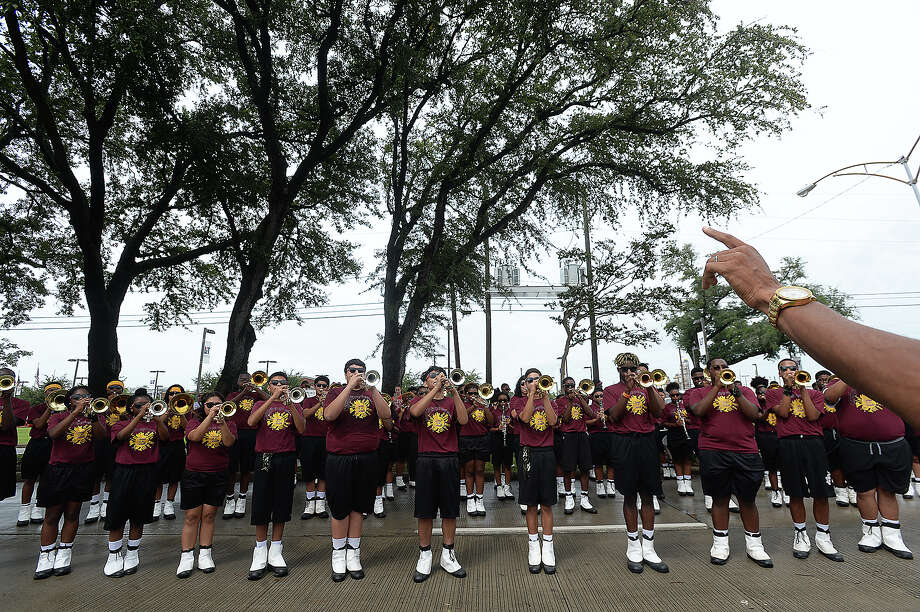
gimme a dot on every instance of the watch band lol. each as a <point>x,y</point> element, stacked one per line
<point>777,304</point>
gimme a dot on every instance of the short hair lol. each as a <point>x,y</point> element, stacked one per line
<point>141,391</point>
<point>711,359</point>
<point>792,359</point>
<point>697,370</point>
<point>322,377</point>
<point>823,373</point>
<point>671,386</point>
<point>278,373</point>
<point>352,362</point>
<point>622,358</point>
<point>433,368</point>
<point>758,381</point>
<point>643,365</point>
<point>531,371</point>
<point>567,378</point>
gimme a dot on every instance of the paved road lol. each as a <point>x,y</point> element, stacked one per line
<point>591,574</point>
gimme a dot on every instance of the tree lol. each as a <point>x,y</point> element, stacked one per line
<point>115,166</point>
<point>532,103</point>
<point>10,353</point>
<point>625,291</point>
<point>735,331</point>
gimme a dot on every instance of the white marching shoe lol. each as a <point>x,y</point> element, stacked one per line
<point>450,564</point>
<point>157,510</point>
<point>229,505</point>
<point>599,489</point>
<point>115,564</point>
<point>766,481</point>
<point>633,554</point>
<point>353,562</point>
<point>892,542</point>
<point>62,560</point>
<point>718,554</point>
<point>534,558</point>
<point>205,561</point>
<point>471,506</point>
<point>680,486</point>
<point>569,503</point>
<point>650,557</point>
<point>462,490</point>
<point>423,567</point>
<point>707,499</point>
<point>102,508</point>
<point>400,483</point>
<point>688,487</point>
<point>785,498</point>
<point>169,513</point>
<point>560,487</point>
<point>388,491</point>
<point>840,497</point>
<point>753,545</point>
<point>94,513</point>
<point>309,510</point>
<point>240,510</point>
<point>776,498</point>
<point>826,547</point>
<point>508,493</point>
<point>321,510</point>
<point>656,505</point>
<point>411,484</point>
<point>259,562</point>
<point>37,516</point>
<point>801,545</point>
<point>338,564</point>
<point>480,506</point>
<point>585,504</point>
<point>24,514</point>
<point>915,483</point>
<point>611,489</point>
<point>909,493</point>
<point>851,495</point>
<point>45,565</point>
<point>132,560</point>
<point>276,560</point>
<point>186,564</point>
<point>548,557</point>
<point>871,539</point>
<point>379,512</point>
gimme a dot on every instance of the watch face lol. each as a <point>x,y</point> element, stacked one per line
<point>793,293</point>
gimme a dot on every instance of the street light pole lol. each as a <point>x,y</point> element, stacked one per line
<point>589,273</point>
<point>156,381</point>
<point>204,337</point>
<point>488,309</point>
<point>75,369</point>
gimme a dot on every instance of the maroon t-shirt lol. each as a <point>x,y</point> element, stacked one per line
<point>725,427</point>
<point>276,433</point>
<point>599,425</point>
<point>76,445</point>
<point>210,454</point>
<point>669,415</point>
<point>862,418</point>
<point>356,429</point>
<point>537,431</point>
<point>437,427</point>
<point>497,415</point>
<point>828,418</point>
<point>316,425</point>
<point>577,424</point>
<point>406,422</point>
<point>174,426</point>
<point>797,424</point>
<point>477,425</point>
<point>766,424</point>
<point>35,412</point>
<point>637,418</point>
<point>245,404</point>
<point>142,446</point>
<point>20,411</point>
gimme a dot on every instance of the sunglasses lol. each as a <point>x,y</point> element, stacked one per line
<point>115,388</point>
<point>530,380</point>
<point>211,404</point>
<point>569,385</point>
<point>434,374</point>
<point>277,383</point>
<point>629,369</point>
<point>356,370</point>
<point>79,396</point>
<point>321,386</point>
<point>138,405</point>
<point>788,369</point>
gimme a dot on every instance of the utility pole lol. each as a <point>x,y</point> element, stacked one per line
<point>267,362</point>
<point>456,329</point>
<point>75,369</point>
<point>204,339</point>
<point>488,311</point>
<point>589,270</point>
<point>448,347</point>
<point>156,381</point>
<point>704,357</point>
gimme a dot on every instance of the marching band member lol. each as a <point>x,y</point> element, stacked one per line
<point>536,467</point>
<point>35,458</point>
<point>599,436</point>
<point>502,449</point>
<point>278,420</point>
<point>768,443</point>
<point>474,447</point>
<point>352,413</point>
<point>802,459</point>
<point>675,418</point>
<point>877,463</point>
<point>729,460</point>
<point>11,409</point>
<point>104,459</point>
<point>134,478</point>
<point>384,463</point>
<point>243,453</point>
<point>438,469</point>
<point>576,450</point>
<point>843,496</point>
<point>204,480</point>
<point>171,464</point>
<point>67,480</point>
<point>407,442</point>
<point>632,410</point>
<point>311,447</point>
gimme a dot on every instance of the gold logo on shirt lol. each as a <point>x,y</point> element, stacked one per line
<point>636,404</point>
<point>360,408</point>
<point>867,404</point>
<point>725,403</point>
<point>576,412</point>
<point>479,415</point>
<point>538,421</point>
<point>771,419</point>
<point>246,404</point>
<point>830,408</point>
<point>438,422</point>
<point>79,434</point>
<point>278,421</point>
<point>174,422</point>
<point>212,438</point>
<point>798,408</point>
<point>318,415</point>
<point>112,418</point>
<point>141,440</point>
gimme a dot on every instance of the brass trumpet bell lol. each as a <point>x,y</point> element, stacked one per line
<point>645,380</point>
<point>586,386</point>
<point>545,383</point>
<point>55,400</point>
<point>227,410</point>
<point>407,397</point>
<point>457,377</point>
<point>258,378</point>
<point>372,379</point>
<point>181,403</point>
<point>727,377</point>
<point>486,391</point>
<point>119,404</point>
<point>7,382</point>
<point>802,378</point>
<point>99,405</point>
<point>659,377</point>
<point>158,408</point>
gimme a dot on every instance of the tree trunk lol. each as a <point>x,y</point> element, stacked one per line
<point>241,336</point>
<point>102,354</point>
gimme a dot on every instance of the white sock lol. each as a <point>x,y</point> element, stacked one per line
<point>380,497</point>
<point>134,543</point>
<point>799,526</point>
<point>261,544</point>
<point>533,537</point>
<point>95,499</point>
<point>648,533</point>
<point>632,534</point>
<point>720,532</point>
<point>48,548</point>
<point>320,495</point>
<point>311,494</point>
<point>547,538</point>
<point>354,542</point>
<point>113,546</point>
<point>338,543</point>
<point>822,526</point>
<point>242,496</point>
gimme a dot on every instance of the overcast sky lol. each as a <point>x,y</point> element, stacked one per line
<point>858,235</point>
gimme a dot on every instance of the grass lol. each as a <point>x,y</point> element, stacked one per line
<point>23,435</point>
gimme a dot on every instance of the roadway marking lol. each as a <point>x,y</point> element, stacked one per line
<point>619,528</point>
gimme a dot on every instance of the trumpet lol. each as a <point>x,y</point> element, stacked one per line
<point>802,378</point>
<point>727,377</point>
<point>181,403</point>
<point>486,391</point>
<point>296,395</point>
<point>7,382</point>
<point>55,401</point>
<point>545,383</point>
<point>407,397</point>
<point>372,378</point>
<point>157,408</point>
<point>645,380</point>
<point>586,386</point>
<point>99,405</point>
<point>226,410</point>
<point>119,404</point>
<point>659,377</point>
<point>457,377</point>
<point>258,378</point>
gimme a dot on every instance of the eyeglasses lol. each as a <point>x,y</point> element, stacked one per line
<point>356,370</point>
<point>211,404</point>
<point>434,374</point>
<point>629,369</point>
<point>137,405</point>
<point>115,388</point>
<point>788,369</point>
<point>79,396</point>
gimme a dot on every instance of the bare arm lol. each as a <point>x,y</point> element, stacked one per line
<point>784,407</point>
<point>61,428</point>
<point>551,416</point>
<point>197,434</point>
<point>463,416</point>
<point>128,429</point>
<point>336,406</point>
<point>656,404</point>
<point>702,407</point>
<point>811,411</point>
<point>834,392</point>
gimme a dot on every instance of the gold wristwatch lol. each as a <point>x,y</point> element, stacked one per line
<point>788,296</point>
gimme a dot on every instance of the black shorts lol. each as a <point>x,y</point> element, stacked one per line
<point>7,471</point>
<point>131,497</point>
<point>68,482</point>
<point>200,488</point>
<point>725,472</point>
<point>437,481</point>
<point>385,453</point>
<point>311,450</point>
<point>351,483</point>
<point>537,476</point>
<point>557,445</point>
<point>171,464</point>
<point>635,463</point>
<point>273,489</point>
<point>768,444</point>
<point>678,445</point>
<point>870,465</point>
<point>576,452</point>
<point>406,446</point>
<point>803,465</point>
<point>35,458</point>
<point>502,454</point>
<point>694,440</point>
<point>600,447</point>
<point>661,434</point>
<point>104,459</point>
<point>914,442</point>
<point>474,448</point>
<point>832,449</point>
<point>243,452</point>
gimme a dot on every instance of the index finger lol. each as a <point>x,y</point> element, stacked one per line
<point>726,239</point>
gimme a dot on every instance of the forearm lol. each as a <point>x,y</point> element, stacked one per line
<point>463,416</point>
<point>551,416</point>
<point>656,405</point>
<point>616,413</point>
<point>783,407</point>
<point>702,407</point>
<point>300,424</point>
<point>750,410</point>
<point>811,411</point>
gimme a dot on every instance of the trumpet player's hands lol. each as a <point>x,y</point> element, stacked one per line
<point>788,378</point>
<point>213,410</point>
<point>743,268</point>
